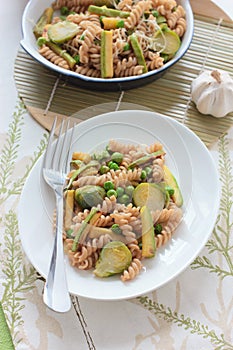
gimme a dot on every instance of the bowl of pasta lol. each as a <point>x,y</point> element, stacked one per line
<point>106,44</point>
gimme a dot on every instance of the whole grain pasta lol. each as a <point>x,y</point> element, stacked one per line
<point>115,205</point>
<point>80,50</point>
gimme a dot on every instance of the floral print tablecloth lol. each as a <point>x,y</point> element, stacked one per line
<point>193,311</point>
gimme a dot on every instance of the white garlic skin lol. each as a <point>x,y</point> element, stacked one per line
<point>212,92</point>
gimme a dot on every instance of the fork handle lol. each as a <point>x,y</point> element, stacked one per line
<point>56,295</point>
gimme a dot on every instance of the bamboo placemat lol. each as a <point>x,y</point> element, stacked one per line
<point>45,94</point>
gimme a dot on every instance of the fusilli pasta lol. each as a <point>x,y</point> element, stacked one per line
<point>115,213</point>
<point>145,19</point>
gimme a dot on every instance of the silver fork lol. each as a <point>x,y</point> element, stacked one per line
<point>56,295</point>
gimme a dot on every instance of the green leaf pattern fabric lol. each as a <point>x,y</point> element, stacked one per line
<point>180,315</point>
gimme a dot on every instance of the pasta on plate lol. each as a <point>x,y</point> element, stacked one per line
<point>110,39</point>
<point>122,200</point>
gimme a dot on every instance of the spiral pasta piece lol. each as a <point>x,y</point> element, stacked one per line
<point>101,241</point>
<point>127,231</point>
<point>79,6</point>
<point>76,18</point>
<point>72,3</point>
<point>116,146</point>
<point>104,221</point>
<point>121,218</point>
<point>94,56</point>
<point>86,251</point>
<point>173,221</point>
<point>135,250</point>
<point>125,5</point>
<point>59,4</point>
<point>89,72</point>
<point>108,205</point>
<point>89,36</point>
<point>155,62</point>
<point>51,56</point>
<point>127,176</point>
<point>136,224</point>
<point>124,64</point>
<point>90,180</point>
<point>180,27</point>
<point>135,15</point>
<point>162,239</point>
<point>139,153</point>
<point>80,216</point>
<point>132,271</point>
<point>154,147</point>
<point>168,4</point>
<point>157,173</point>
<point>175,16</point>
<point>68,242</point>
<point>88,263</point>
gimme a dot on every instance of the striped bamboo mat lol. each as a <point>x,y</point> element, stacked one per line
<point>44,94</point>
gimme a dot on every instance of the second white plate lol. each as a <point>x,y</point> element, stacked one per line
<point>195,171</point>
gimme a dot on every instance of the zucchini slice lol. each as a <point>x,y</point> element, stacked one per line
<point>170,180</point>
<point>168,41</point>
<point>148,236</point>
<point>149,194</point>
<point>106,56</point>
<point>62,31</point>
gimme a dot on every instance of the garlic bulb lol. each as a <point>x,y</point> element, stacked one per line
<point>212,92</point>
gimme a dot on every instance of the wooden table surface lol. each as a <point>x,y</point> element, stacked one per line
<point>208,8</point>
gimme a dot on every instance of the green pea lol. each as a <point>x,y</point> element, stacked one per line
<point>120,24</point>
<point>165,57</point>
<point>125,199</point>
<point>116,229</point>
<point>69,233</point>
<point>108,185</point>
<point>158,229</point>
<point>170,190</point>
<point>155,13</point>
<point>105,154</point>
<point>117,157</point>
<point>77,58</point>
<point>113,166</point>
<point>101,156</point>
<point>41,41</point>
<point>148,170</point>
<point>104,169</point>
<point>126,47</point>
<point>129,190</point>
<point>164,27</point>
<point>64,11</point>
<point>161,19</point>
<point>120,191</point>
<point>111,193</point>
<point>143,175</point>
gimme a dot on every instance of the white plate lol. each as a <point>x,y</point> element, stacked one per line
<point>195,170</point>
